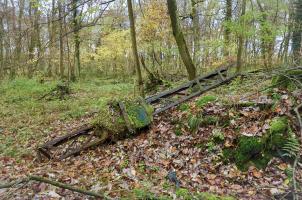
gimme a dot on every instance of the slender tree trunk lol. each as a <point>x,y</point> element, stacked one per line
<point>14,62</point>
<point>52,37</point>
<point>19,37</point>
<point>49,67</point>
<point>196,31</point>
<point>227,31</point>
<point>134,48</point>
<point>76,25</point>
<point>180,40</point>
<point>1,47</point>
<point>32,42</point>
<point>37,34</point>
<point>61,44</point>
<point>241,41</point>
<point>297,33</point>
<point>287,39</point>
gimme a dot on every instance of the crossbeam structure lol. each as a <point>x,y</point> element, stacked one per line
<point>161,102</point>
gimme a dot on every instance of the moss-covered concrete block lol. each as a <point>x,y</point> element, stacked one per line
<point>110,117</point>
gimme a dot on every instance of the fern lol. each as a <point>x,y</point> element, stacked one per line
<point>291,147</point>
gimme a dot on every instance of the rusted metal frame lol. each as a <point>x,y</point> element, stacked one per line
<point>192,95</point>
<point>185,86</point>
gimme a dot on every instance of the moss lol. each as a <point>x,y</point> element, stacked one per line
<point>205,100</point>
<point>184,107</point>
<point>285,80</point>
<point>262,160</point>
<point>259,151</point>
<point>110,118</point>
<point>178,131</point>
<point>277,134</point>
<point>248,149</point>
<point>228,154</point>
<point>183,193</point>
<point>209,196</point>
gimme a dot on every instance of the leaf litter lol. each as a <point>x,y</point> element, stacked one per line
<point>146,160</point>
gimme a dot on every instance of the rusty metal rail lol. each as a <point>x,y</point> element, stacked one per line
<point>161,102</point>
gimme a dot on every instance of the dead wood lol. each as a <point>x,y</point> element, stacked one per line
<point>54,183</point>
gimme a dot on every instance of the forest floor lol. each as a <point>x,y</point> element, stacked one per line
<point>136,168</point>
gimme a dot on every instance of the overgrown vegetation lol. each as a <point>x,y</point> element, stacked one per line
<point>26,117</point>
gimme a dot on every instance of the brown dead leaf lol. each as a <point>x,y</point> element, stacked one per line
<point>257,173</point>
<point>282,166</point>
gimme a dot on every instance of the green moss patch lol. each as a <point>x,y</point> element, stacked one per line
<point>110,118</point>
<point>258,151</point>
<point>287,79</point>
<point>278,133</point>
<point>205,100</point>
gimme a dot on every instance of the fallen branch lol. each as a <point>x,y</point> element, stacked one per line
<point>295,195</point>
<point>54,183</point>
<point>299,119</point>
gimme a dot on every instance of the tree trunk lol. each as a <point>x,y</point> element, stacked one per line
<point>227,31</point>
<point>196,31</point>
<point>37,34</point>
<point>52,39</point>
<point>32,41</point>
<point>297,32</point>
<point>77,61</point>
<point>61,57</point>
<point>180,40</point>
<point>267,37</point>
<point>1,47</point>
<point>140,83</point>
<point>240,41</point>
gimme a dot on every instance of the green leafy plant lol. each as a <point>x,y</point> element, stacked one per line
<point>194,123</point>
<point>217,136</point>
<point>291,147</point>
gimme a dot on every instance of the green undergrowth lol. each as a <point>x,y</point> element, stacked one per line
<point>26,118</point>
<point>256,150</point>
<point>202,101</point>
<point>181,193</point>
<point>288,79</point>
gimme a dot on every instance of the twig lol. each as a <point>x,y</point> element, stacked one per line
<point>295,195</point>
<point>55,183</point>
<point>12,184</point>
<point>299,119</point>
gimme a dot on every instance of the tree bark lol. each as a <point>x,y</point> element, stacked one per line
<point>180,40</point>
<point>240,41</point>
<point>196,31</point>
<point>140,83</point>
<point>61,44</point>
<point>267,37</point>
<point>32,41</point>
<point>76,24</point>
<point>227,31</point>
<point>1,47</point>
<point>297,32</point>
